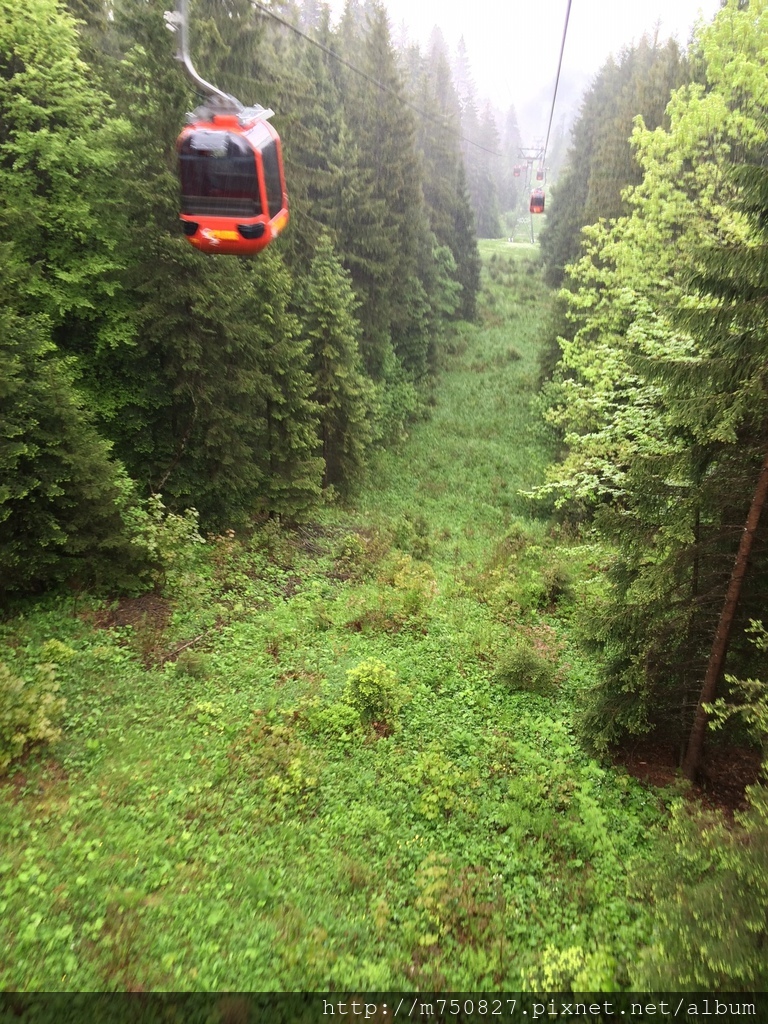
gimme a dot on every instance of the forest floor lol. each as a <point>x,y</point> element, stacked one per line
<point>341,756</point>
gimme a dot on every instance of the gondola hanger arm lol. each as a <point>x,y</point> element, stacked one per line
<point>221,102</point>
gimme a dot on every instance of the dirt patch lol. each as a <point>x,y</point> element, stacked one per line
<point>138,612</point>
<point>310,537</point>
<point>16,783</point>
<point>382,729</point>
<point>52,774</point>
<point>291,586</point>
<point>726,773</point>
<point>147,615</point>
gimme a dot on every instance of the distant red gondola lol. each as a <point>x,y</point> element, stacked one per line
<point>540,174</point>
<point>537,200</point>
<point>233,196</point>
<point>516,171</point>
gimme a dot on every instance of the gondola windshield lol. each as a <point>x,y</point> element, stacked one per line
<point>218,175</point>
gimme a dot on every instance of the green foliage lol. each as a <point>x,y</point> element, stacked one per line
<point>659,394</point>
<point>523,575</point>
<point>59,237</point>
<point>344,395</point>
<point>338,721</point>
<point>522,667</point>
<point>359,554</point>
<point>272,756</point>
<point>709,888</point>
<point>375,692</point>
<point>601,163</point>
<point>710,930</point>
<point>65,504</point>
<point>29,710</point>
<point>398,403</point>
<point>574,969</point>
<point>168,539</point>
<point>439,784</point>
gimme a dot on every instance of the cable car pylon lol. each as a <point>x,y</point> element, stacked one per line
<point>233,195</point>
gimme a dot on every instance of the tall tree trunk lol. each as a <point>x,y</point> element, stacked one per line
<point>724,626</point>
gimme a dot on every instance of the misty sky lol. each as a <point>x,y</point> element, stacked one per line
<point>514,46</point>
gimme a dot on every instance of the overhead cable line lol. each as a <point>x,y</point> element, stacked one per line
<point>557,80</point>
<point>367,77</point>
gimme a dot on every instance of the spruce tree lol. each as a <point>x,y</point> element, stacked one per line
<point>445,195</point>
<point>342,391</point>
<point>380,238</point>
<point>58,158</point>
<point>511,142</point>
<point>208,399</point>
<point>61,494</point>
<point>600,162</point>
<point>468,257</point>
<point>62,497</point>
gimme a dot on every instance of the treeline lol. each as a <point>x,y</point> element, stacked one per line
<point>130,365</point>
<point>659,394</point>
<point>490,162</point>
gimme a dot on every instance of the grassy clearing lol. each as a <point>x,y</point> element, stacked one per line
<point>340,757</point>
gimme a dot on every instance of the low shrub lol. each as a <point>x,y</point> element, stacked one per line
<point>524,668</point>
<point>374,691</point>
<point>29,709</point>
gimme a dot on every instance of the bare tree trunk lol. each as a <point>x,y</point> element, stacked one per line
<point>724,626</point>
<point>182,448</point>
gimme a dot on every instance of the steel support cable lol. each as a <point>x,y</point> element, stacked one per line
<point>557,81</point>
<point>369,78</point>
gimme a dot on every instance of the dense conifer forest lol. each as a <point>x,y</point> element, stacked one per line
<point>384,612</point>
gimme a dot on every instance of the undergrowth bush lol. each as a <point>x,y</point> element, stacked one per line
<point>441,787</point>
<point>397,403</point>
<point>358,555</point>
<point>411,534</point>
<point>375,691</point>
<point>709,879</point>
<point>29,709</point>
<point>401,598</point>
<point>708,884</point>
<point>574,969</point>
<point>169,539</point>
<point>523,667</point>
<point>195,664</point>
<point>523,575</point>
<point>338,721</point>
<point>274,757</point>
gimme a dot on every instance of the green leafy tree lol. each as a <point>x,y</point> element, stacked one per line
<point>663,412</point>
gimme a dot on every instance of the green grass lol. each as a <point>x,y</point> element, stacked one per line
<point>227,819</point>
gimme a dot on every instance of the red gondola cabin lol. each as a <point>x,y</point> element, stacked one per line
<point>516,171</point>
<point>540,174</point>
<point>537,200</point>
<point>233,197</point>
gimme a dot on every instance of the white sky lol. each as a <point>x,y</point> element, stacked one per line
<point>513,46</point>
